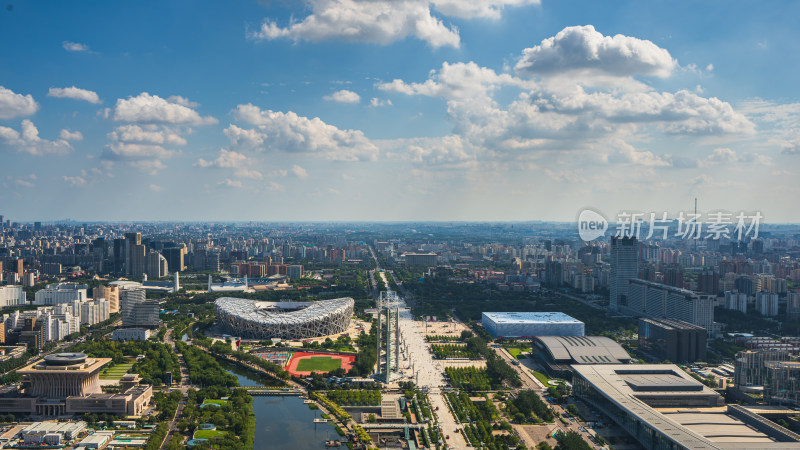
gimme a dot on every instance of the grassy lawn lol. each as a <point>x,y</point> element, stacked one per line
<point>207,434</point>
<point>215,402</point>
<point>318,364</point>
<point>516,352</point>
<point>115,372</point>
<point>541,377</point>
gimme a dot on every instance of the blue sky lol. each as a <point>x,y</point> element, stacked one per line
<point>390,110</point>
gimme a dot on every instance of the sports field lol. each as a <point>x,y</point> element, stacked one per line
<point>318,364</point>
<point>115,372</point>
<point>303,363</point>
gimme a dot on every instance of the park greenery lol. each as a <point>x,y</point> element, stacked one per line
<point>442,338</point>
<point>528,407</point>
<point>481,419</point>
<point>156,437</point>
<point>204,370</point>
<point>571,440</point>
<point>445,351</point>
<point>494,376</point>
<point>224,348</point>
<point>159,359</point>
<point>233,417</point>
<point>343,343</point>
<point>469,378</point>
<point>367,354</point>
<point>355,397</point>
<point>334,408</point>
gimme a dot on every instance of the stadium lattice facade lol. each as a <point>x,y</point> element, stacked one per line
<point>286,320</point>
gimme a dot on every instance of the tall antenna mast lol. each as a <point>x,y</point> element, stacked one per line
<point>695,218</point>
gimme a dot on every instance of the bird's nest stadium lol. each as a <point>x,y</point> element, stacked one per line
<point>286,320</point>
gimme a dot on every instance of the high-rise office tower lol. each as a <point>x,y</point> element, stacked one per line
<point>624,267</point>
<point>156,265</point>
<point>174,256</point>
<point>135,255</point>
<point>119,255</point>
<point>136,310</point>
<point>18,267</point>
<point>110,294</point>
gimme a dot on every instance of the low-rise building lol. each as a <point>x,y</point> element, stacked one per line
<point>662,407</point>
<point>529,324</point>
<point>559,353</point>
<point>58,293</point>
<point>130,334</point>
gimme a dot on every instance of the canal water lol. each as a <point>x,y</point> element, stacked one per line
<point>284,422</point>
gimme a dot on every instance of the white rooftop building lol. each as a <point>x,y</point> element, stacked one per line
<point>529,324</point>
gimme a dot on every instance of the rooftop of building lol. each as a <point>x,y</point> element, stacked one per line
<point>125,284</point>
<point>673,324</point>
<point>70,365</point>
<point>530,317</point>
<point>666,287</point>
<point>65,359</point>
<point>629,387</point>
<point>583,349</point>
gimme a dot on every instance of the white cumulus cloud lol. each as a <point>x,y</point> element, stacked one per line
<point>376,102</point>
<point>288,132</point>
<point>146,108</point>
<point>146,134</point>
<point>299,172</point>
<point>583,49</point>
<point>16,105</point>
<point>27,140</point>
<point>75,94</point>
<point>343,96</point>
<point>470,9</point>
<point>229,159</point>
<point>374,21</point>
<point>68,135</point>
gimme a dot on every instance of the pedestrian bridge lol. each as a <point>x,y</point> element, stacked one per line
<point>391,426</point>
<point>264,392</point>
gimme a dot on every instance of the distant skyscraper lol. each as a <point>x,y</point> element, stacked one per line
<point>767,304</point>
<point>136,310</point>
<point>673,276</point>
<point>110,294</point>
<point>18,267</point>
<point>736,300</point>
<point>174,256</point>
<point>793,305</point>
<point>624,267</point>
<point>135,255</point>
<point>708,282</point>
<point>554,273</point>
<point>156,265</point>
<point>119,254</point>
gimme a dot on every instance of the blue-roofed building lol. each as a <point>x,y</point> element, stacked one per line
<point>529,324</point>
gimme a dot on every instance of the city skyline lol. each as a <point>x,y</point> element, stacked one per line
<point>498,110</point>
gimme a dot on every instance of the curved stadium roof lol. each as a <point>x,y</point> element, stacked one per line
<point>252,318</point>
<point>583,349</point>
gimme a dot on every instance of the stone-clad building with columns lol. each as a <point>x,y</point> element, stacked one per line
<point>69,383</point>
